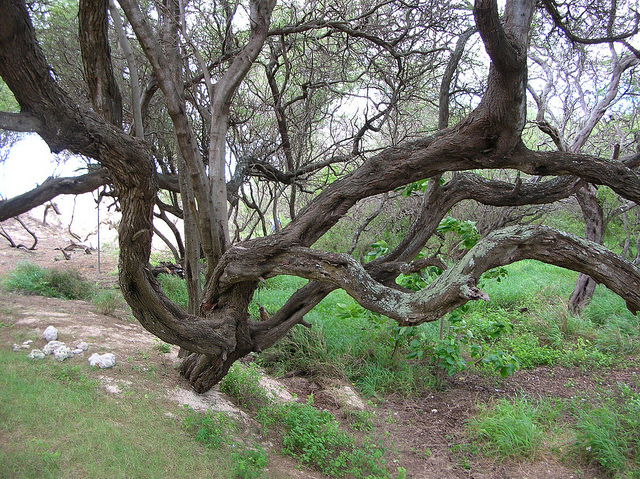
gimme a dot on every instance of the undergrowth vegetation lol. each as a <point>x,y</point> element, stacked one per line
<point>524,325</point>
<point>310,435</point>
<point>28,278</point>
<point>601,429</point>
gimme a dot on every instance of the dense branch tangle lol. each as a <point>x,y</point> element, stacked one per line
<point>306,140</point>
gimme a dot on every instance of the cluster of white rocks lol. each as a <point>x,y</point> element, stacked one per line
<point>61,351</point>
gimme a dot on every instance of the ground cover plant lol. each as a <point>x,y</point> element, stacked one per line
<point>28,278</point>
<point>55,421</point>
<point>310,435</point>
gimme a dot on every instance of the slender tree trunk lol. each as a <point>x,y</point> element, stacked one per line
<point>192,242</point>
<point>593,229</point>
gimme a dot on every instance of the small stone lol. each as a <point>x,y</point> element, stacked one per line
<point>15,348</point>
<point>50,333</point>
<point>78,351</point>
<point>36,354</point>
<point>107,360</point>
<point>82,345</point>
<point>26,344</point>
<point>434,411</point>
<point>51,346</point>
<point>62,353</point>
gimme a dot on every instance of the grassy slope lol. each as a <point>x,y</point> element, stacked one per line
<point>55,422</point>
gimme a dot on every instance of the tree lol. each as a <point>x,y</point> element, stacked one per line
<point>391,53</point>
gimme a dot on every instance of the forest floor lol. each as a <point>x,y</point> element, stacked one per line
<point>426,435</point>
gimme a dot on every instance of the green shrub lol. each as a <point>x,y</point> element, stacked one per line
<point>108,302</point>
<point>250,463</point>
<point>583,353</point>
<point>528,351</point>
<point>243,383</point>
<point>211,429</point>
<point>32,279</point>
<point>314,438</point>
<point>360,420</point>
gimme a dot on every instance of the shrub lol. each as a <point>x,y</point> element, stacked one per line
<point>210,429</point>
<point>249,464</point>
<point>108,302</point>
<point>32,279</point>
<point>314,438</point>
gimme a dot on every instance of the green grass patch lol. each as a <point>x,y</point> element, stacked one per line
<point>108,302</point>
<point>175,288</point>
<point>311,436</point>
<point>242,382</point>
<point>56,422</point>
<point>315,439</point>
<point>608,431</point>
<point>28,278</point>
<point>514,428</point>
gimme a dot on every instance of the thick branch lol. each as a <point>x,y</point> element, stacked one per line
<point>51,188</point>
<point>23,122</point>
<point>96,59</point>
<point>458,284</point>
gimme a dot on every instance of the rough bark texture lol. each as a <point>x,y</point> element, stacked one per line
<point>96,59</point>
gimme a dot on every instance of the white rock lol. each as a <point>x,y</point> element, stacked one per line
<point>36,354</point>
<point>26,344</point>
<point>62,353</point>
<point>50,333</point>
<point>78,351</point>
<point>107,360</point>
<point>51,346</point>
<point>82,345</point>
<point>15,348</point>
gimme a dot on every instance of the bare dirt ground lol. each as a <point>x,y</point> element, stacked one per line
<point>426,435</point>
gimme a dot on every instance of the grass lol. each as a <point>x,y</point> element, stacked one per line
<point>602,428</point>
<point>369,350</point>
<point>31,279</point>
<point>56,422</point>
<point>108,302</point>
<point>513,428</point>
<point>608,431</point>
<point>243,383</point>
<point>175,288</point>
<point>348,342</point>
<point>315,439</point>
<point>311,436</point>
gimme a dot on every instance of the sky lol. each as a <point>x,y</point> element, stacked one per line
<point>28,164</point>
